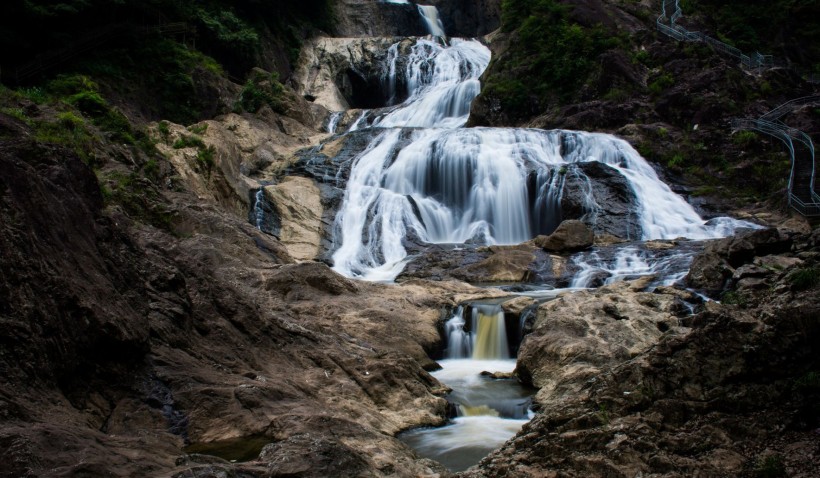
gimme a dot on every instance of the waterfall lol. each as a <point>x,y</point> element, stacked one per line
<point>442,83</point>
<point>472,184</point>
<point>430,15</point>
<point>258,211</point>
<point>487,339</point>
<point>489,411</point>
<point>490,333</point>
<point>333,121</point>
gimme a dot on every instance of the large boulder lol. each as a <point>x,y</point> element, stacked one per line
<point>601,197</point>
<point>577,335</point>
<point>713,269</point>
<point>297,203</point>
<point>571,235</point>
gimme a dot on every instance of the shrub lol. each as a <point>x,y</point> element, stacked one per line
<point>744,138</point>
<point>186,141</point>
<point>804,279</point>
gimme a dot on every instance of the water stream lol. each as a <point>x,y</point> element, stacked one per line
<point>489,411</point>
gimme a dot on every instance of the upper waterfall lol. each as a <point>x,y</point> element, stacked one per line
<point>426,179</point>
<point>442,83</point>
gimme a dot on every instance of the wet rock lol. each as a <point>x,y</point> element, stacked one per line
<point>614,208</point>
<point>570,236</point>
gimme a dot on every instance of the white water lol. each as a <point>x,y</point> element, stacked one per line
<point>431,18</point>
<point>442,83</point>
<point>333,121</point>
<point>630,263</point>
<point>472,184</point>
<point>489,411</point>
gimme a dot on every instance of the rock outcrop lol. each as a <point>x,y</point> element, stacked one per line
<point>571,236</point>
<point>124,340</point>
<point>578,335</point>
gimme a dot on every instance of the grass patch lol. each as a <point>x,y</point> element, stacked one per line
<point>804,279</point>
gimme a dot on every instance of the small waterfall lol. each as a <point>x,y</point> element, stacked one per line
<point>459,343</point>
<point>389,77</point>
<point>333,121</point>
<point>630,263</point>
<point>431,18</point>
<point>489,411</point>
<point>487,339</point>
<point>490,342</point>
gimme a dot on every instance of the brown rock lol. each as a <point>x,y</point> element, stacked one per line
<point>571,235</point>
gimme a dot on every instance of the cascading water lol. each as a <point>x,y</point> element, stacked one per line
<point>489,411</point>
<point>333,121</point>
<point>445,184</point>
<point>431,18</point>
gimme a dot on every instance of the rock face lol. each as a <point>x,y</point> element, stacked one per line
<point>615,209</point>
<point>461,18</point>
<point>578,335</point>
<point>244,152</point>
<point>297,203</point>
<point>715,267</point>
<point>143,340</point>
<point>570,236</point>
<point>366,18</point>
<point>343,73</point>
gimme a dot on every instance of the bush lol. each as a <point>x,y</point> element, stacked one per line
<point>261,90</point>
<point>186,141</point>
<point>804,279</point>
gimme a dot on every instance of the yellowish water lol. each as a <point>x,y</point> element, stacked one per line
<point>488,339</point>
<point>478,411</point>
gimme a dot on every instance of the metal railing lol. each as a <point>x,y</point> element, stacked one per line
<point>803,198</point>
<point>754,61</point>
<point>790,106</point>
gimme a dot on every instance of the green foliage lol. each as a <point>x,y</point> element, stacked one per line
<point>662,82</point>
<point>675,161</point>
<point>805,278</point>
<point>261,90</point>
<point>186,141</point>
<point>199,129</point>
<point>808,383</point>
<point>744,138</point>
<point>205,159</point>
<point>771,466</point>
<point>552,58</point>
<point>163,129</point>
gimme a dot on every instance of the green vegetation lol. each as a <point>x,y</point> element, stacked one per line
<point>744,138</point>
<point>808,383</point>
<point>762,25</point>
<point>771,466</point>
<point>805,278</point>
<point>186,141</point>
<point>552,58</point>
<point>260,90</point>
